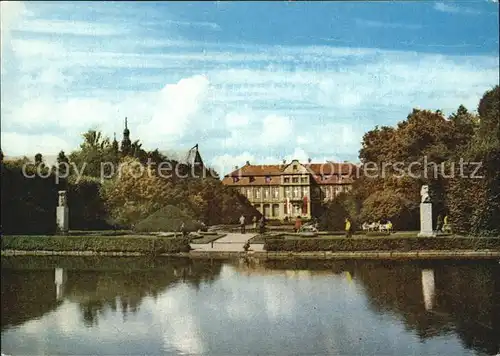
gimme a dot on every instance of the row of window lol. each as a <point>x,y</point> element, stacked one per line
<point>269,179</point>
<point>273,210</point>
<point>288,179</point>
<point>297,192</point>
<point>303,179</point>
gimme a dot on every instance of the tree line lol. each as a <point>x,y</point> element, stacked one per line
<point>29,204</point>
<point>425,137</point>
<point>465,148</point>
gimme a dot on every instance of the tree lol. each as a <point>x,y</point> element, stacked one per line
<point>136,193</point>
<point>388,205</point>
<point>336,211</point>
<point>474,201</point>
<point>38,159</point>
<point>62,163</point>
<point>95,152</point>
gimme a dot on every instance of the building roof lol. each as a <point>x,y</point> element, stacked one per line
<point>323,173</point>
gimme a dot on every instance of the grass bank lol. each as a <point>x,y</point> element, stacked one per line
<point>389,243</point>
<point>148,245</point>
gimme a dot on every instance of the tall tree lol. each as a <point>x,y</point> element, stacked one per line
<point>62,163</point>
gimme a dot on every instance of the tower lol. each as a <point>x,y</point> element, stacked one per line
<point>126,143</point>
<point>115,143</point>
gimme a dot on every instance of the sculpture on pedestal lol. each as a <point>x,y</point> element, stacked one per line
<point>426,229</point>
<point>62,216</point>
<point>424,194</point>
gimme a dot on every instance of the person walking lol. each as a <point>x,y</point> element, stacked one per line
<point>439,225</point>
<point>446,226</point>
<point>242,223</point>
<point>298,224</point>
<point>183,230</point>
<point>254,220</point>
<point>348,232</point>
<point>262,225</point>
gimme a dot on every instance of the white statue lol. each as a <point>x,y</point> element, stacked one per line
<point>424,193</point>
<point>62,198</point>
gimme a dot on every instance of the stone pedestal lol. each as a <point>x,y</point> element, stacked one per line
<point>63,219</point>
<point>426,220</point>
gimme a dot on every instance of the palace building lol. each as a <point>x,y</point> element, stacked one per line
<point>293,189</point>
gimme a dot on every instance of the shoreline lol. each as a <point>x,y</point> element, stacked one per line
<point>264,255</point>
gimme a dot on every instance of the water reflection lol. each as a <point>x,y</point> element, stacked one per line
<point>428,288</point>
<point>136,306</point>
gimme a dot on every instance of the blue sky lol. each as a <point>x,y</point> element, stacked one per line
<point>258,81</point>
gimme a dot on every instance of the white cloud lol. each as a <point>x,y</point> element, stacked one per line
<point>442,7</point>
<point>175,106</point>
<point>15,144</point>
<point>380,24</point>
<point>262,100</point>
<point>276,130</point>
<point>63,27</point>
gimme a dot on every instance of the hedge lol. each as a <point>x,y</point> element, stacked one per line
<point>385,244</point>
<point>141,244</point>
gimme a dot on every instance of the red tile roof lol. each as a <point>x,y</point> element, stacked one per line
<point>333,172</point>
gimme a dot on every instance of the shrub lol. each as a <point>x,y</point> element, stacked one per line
<point>168,218</point>
<point>377,244</point>
<point>146,245</point>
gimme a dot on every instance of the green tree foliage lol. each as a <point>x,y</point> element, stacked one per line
<point>28,204</point>
<point>336,211</point>
<point>474,196</point>
<point>135,194</point>
<point>62,164</point>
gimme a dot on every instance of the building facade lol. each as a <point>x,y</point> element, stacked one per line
<point>293,189</point>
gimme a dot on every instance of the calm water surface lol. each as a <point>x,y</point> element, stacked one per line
<point>110,306</point>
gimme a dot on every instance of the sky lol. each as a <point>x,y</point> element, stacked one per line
<point>247,81</point>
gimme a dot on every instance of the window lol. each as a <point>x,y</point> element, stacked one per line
<point>236,179</point>
<point>249,193</point>
<point>296,192</point>
<point>266,193</point>
<point>295,179</point>
<point>257,193</point>
<point>294,167</point>
<point>276,193</point>
<point>288,192</point>
<point>286,180</point>
<point>268,179</point>
<point>276,210</point>
<point>303,179</point>
<point>305,191</point>
<point>251,179</point>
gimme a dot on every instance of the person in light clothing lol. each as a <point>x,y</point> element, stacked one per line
<point>348,232</point>
<point>242,223</point>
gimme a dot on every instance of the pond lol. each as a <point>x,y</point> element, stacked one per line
<point>132,306</point>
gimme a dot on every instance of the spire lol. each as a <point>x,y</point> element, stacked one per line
<point>126,143</point>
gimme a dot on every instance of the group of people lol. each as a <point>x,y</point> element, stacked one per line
<point>262,224</point>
